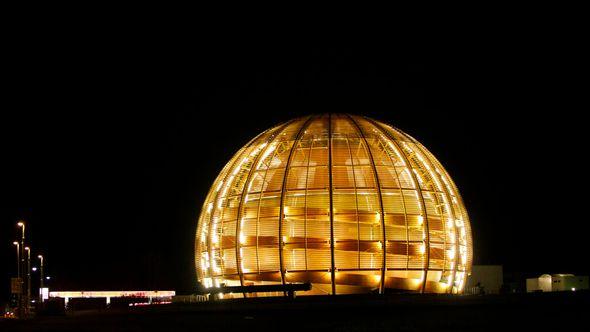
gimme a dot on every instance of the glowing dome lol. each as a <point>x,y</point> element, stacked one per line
<point>379,212</point>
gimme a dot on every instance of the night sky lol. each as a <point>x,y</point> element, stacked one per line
<point>109,143</point>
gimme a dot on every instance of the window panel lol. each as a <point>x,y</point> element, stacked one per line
<point>269,227</point>
<point>412,202</point>
<point>273,180</point>
<point>345,227</point>
<point>340,152</point>
<point>370,231</point>
<point>371,260</point>
<point>364,177</point>
<point>294,229</point>
<point>387,177</point>
<point>392,201</point>
<point>319,259</point>
<point>368,202</point>
<point>268,258</point>
<point>346,259</point>
<point>297,178</point>
<point>344,201</point>
<point>342,177</point>
<point>294,259</point>
<point>405,178</point>
<point>318,156</point>
<point>300,157</point>
<point>359,152</point>
<point>317,178</point>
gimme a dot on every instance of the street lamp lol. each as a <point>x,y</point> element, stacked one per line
<point>18,296</point>
<point>28,250</point>
<point>40,278</point>
<point>21,224</point>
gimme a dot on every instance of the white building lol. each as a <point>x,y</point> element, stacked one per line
<point>486,279</point>
<point>556,283</point>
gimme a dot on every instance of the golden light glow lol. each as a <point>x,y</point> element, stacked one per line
<point>354,202</point>
<point>91,294</point>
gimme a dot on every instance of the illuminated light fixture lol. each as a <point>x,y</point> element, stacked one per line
<point>325,184</point>
<point>450,223</point>
<point>452,253</point>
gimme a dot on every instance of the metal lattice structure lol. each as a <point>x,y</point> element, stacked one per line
<point>345,202</point>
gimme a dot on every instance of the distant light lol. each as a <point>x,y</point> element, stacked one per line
<point>15,243</point>
<point>48,277</point>
<point>40,256</point>
<point>34,269</point>
<point>27,248</point>
<point>20,224</point>
<point>573,289</point>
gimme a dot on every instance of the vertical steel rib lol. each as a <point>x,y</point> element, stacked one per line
<point>465,218</point>
<point>209,247</point>
<point>283,194</point>
<point>451,211</point>
<point>331,193</point>
<point>243,196</point>
<point>382,216</point>
<point>419,192</point>
<point>356,204</point>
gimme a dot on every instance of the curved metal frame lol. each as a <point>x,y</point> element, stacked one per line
<point>209,223</point>
<point>331,192</point>
<point>419,191</point>
<point>382,216</point>
<point>434,182</point>
<point>242,198</point>
<point>283,194</point>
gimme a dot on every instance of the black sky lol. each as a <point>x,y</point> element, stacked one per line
<point>110,142</point>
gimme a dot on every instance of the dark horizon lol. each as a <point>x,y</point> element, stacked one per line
<point>110,149</point>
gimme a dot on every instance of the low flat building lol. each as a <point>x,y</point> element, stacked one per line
<point>107,295</point>
<point>556,283</point>
<point>485,279</point>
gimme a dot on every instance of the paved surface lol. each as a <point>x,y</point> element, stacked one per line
<point>555,312</point>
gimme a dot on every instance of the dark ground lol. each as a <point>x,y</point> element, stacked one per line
<point>531,312</point>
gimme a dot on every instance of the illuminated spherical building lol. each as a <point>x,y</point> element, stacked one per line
<point>345,202</point>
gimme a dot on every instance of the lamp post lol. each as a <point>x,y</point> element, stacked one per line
<point>41,279</point>
<point>28,277</point>
<point>21,224</point>
<point>18,296</point>
<point>17,258</point>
